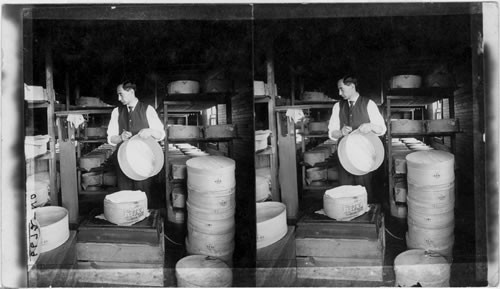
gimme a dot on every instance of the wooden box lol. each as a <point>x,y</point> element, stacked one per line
<point>407,126</point>
<point>147,231</point>
<point>333,250</point>
<point>276,263</point>
<point>442,125</point>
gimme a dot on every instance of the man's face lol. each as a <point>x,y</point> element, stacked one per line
<point>347,92</point>
<point>124,96</point>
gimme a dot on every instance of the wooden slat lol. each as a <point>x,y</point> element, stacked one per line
<point>131,274</point>
<point>120,252</point>
<point>69,186</point>
<point>339,248</point>
<point>340,268</point>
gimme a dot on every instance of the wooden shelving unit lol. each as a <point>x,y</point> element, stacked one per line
<point>397,99</point>
<point>190,103</point>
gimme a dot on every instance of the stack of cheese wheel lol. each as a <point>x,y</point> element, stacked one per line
<point>431,201</point>
<point>202,271</point>
<point>419,268</point>
<point>210,207</point>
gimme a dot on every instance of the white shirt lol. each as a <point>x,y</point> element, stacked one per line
<point>373,114</point>
<point>151,115</point>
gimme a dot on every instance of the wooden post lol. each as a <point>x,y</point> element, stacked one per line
<point>288,166</point>
<point>478,147</point>
<point>54,196</point>
<point>275,190</point>
<point>66,82</point>
<point>69,186</point>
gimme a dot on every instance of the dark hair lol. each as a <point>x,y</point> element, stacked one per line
<point>350,79</point>
<point>128,85</point>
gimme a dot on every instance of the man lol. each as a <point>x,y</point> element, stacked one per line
<point>133,118</point>
<point>351,113</point>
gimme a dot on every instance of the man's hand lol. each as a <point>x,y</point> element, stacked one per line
<point>125,135</point>
<point>145,133</point>
<point>365,128</point>
<point>346,130</point>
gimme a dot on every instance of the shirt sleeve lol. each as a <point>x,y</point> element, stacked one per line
<point>375,116</point>
<point>113,125</point>
<point>334,123</point>
<point>155,122</point>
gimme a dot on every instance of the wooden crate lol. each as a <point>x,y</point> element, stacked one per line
<point>53,268</point>
<point>333,250</point>
<point>108,254</point>
<point>276,263</point>
<point>147,231</point>
<point>366,226</point>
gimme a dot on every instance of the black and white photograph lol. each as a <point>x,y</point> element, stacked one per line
<point>249,144</point>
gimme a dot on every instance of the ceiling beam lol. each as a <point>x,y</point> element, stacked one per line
<point>140,12</point>
<point>345,10</point>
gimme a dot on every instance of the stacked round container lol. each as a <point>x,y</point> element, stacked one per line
<point>431,201</point>
<point>211,207</point>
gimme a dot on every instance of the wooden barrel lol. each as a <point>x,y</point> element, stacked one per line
<point>428,168</point>
<point>140,158</point>
<point>211,173</point>
<point>54,227</point>
<point>271,223</point>
<point>360,153</point>
<point>202,271</point>
<point>418,267</point>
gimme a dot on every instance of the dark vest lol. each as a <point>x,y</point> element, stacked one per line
<point>357,116</point>
<point>134,121</point>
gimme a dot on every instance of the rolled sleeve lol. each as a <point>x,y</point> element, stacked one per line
<point>155,122</point>
<point>113,125</point>
<point>376,116</point>
<point>334,123</point>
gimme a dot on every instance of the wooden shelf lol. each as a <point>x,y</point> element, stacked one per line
<point>319,135</point>
<point>304,106</point>
<point>423,134</point>
<point>261,98</point>
<point>182,140</point>
<point>94,110</point>
<point>417,96</point>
